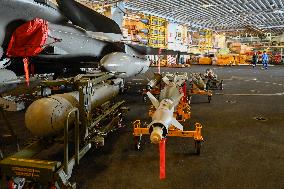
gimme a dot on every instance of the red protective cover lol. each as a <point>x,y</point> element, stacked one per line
<point>28,39</point>
<point>162,147</point>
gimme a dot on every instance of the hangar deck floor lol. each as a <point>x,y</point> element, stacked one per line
<point>239,151</point>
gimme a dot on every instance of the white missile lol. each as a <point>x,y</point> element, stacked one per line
<point>163,117</point>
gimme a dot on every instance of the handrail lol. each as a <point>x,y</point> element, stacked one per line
<point>66,133</point>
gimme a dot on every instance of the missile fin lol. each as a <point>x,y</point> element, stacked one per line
<point>177,124</point>
<point>154,101</point>
<point>176,101</point>
<point>166,80</point>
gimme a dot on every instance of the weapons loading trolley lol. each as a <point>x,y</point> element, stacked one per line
<point>182,114</point>
<point>89,128</point>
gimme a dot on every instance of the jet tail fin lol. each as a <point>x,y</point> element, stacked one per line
<point>153,99</point>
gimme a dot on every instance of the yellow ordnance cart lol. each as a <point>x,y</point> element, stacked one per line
<point>181,114</point>
<point>139,131</point>
<point>194,90</point>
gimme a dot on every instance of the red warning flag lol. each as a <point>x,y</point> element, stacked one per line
<point>27,74</point>
<point>162,146</point>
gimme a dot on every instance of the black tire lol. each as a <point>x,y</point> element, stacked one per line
<point>197,147</point>
<point>209,99</point>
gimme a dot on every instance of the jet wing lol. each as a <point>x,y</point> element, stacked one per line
<point>108,37</point>
<point>87,18</point>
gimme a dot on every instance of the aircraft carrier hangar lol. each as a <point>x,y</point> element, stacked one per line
<point>141,94</point>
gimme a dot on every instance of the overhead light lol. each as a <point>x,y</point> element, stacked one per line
<point>279,11</point>
<point>207,5</point>
<point>279,26</point>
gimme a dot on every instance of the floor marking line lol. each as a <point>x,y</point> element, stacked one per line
<point>276,94</point>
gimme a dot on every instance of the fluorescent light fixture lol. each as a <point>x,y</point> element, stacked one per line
<point>279,11</point>
<point>207,5</point>
<point>279,26</point>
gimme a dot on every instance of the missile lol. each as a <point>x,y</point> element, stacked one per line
<point>163,117</point>
<point>144,30</point>
<point>143,41</point>
<point>144,21</point>
<point>124,64</point>
<point>198,81</point>
<point>154,82</point>
<point>47,116</point>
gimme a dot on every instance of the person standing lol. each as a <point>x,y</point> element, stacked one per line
<point>254,59</point>
<point>264,60</point>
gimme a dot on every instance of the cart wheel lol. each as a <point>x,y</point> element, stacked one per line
<point>137,142</point>
<point>209,99</point>
<point>221,85</point>
<point>144,98</point>
<point>189,99</point>
<point>197,147</point>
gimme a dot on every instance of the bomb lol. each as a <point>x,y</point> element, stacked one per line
<point>47,116</point>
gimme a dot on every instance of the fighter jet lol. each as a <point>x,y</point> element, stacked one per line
<point>76,34</point>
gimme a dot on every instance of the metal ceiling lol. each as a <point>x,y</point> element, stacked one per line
<point>254,16</point>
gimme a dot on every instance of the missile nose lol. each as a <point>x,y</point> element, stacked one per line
<point>156,135</point>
